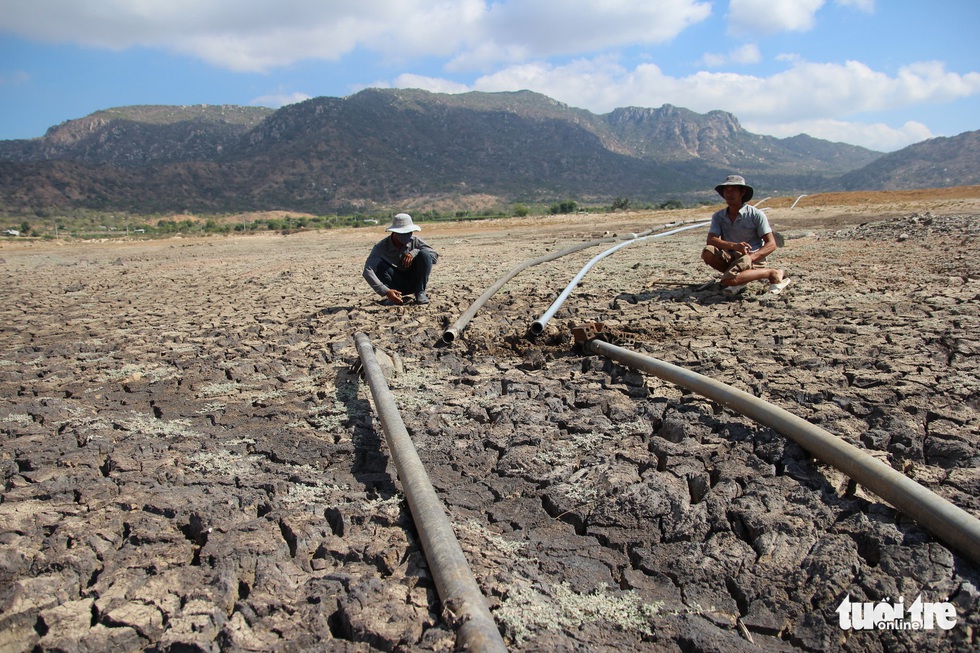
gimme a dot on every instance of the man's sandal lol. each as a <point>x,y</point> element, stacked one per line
<point>776,288</point>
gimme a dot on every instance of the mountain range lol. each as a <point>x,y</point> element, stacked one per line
<point>391,148</point>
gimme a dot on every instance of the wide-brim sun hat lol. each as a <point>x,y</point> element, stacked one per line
<point>402,224</point>
<point>735,180</point>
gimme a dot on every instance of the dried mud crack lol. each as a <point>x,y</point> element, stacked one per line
<point>191,462</point>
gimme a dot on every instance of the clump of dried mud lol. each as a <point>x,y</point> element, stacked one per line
<point>190,461</point>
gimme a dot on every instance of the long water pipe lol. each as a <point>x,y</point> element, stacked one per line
<point>946,521</point>
<point>797,201</point>
<point>538,325</point>
<point>450,334</point>
<point>460,595</point>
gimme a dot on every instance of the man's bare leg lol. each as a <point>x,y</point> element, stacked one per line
<point>774,275</point>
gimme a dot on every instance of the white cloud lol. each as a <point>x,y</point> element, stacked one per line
<point>762,17</point>
<point>258,36</point>
<point>568,50</point>
<point>803,91</point>
<point>249,35</point>
<point>276,101</point>
<point>811,97</point>
<point>771,16</point>
<point>15,78</point>
<point>875,136</point>
<point>599,84</point>
<point>746,54</point>
<point>867,6</point>
<point>543,28</point>
<point>821,90</point>
<point>432,84</point>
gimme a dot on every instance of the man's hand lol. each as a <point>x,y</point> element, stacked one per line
<point>394,296</point>
<point>407,258</point>
<point>742,248</point>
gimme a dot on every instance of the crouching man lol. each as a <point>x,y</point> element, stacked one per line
<point>400,264</point>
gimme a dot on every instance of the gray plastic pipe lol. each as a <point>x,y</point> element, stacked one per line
<point>538,325</point>
<point>946,521</point>
<point>460,595</point>
<point>450,334</point>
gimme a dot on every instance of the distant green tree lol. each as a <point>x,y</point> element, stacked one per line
<point>521,211</point>
<point>672,204</point>
<point>620,204</point>
<point>24,228</point>
<point>568,206</point>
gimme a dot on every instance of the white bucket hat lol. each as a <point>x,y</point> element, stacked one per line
<point>735,180</point>
<point>402,224</point>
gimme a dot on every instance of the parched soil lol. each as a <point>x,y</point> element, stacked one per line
<point>191,462</point>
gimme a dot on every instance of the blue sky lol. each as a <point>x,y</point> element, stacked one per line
<point>877,73</point>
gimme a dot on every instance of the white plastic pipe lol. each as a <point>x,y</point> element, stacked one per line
<point>450,334</point>
<point>538,325</point>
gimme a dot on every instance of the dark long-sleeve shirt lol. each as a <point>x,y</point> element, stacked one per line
<point>387,251</point>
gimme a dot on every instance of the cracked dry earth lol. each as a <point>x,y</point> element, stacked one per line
<point>191,463</point>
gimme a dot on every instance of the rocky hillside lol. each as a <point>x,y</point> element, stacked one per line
<point>935,163</point>
<point>389,147</point>
<point>140,135</point>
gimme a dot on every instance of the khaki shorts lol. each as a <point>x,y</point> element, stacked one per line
<point>734,263</point>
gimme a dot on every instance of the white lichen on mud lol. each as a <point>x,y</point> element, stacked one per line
<point>17,418</point>
<point>218,390</point>
<point>527,610</point>
<point>390,507</point>
<point>147,425</point>
<point>316,494</point>
<point>489,538</point>
<point>223,463</point>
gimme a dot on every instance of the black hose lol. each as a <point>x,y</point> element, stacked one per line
<point>946,521</point>
<point>462,600</point>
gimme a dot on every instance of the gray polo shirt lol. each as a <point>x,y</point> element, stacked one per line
<point>749,227</point>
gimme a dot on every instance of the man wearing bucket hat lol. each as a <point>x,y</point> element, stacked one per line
<point>740,239</point>
<point>400,264</point>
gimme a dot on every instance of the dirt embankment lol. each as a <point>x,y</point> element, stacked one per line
<point>190,461</point>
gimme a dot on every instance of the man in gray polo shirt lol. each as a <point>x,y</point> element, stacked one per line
<point>740,239</point>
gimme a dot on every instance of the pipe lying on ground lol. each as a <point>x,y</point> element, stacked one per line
<point>460,595</point>
<point>538,325</point>
<point>946,521</point>
<point>450,334</point>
